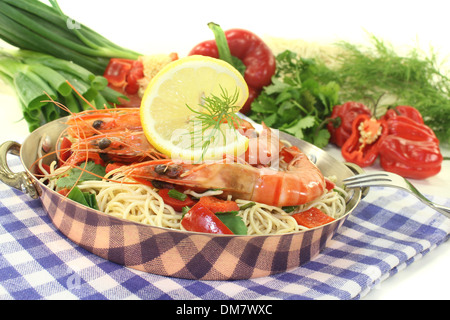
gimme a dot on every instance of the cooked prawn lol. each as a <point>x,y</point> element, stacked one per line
<point>299,182</point>
<point>121,146</point>
<point>92,122</point>
<point>109,134</point>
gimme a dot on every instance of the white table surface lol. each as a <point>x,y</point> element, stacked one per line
<point>176,26</point>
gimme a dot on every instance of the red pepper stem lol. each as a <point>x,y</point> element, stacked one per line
<point>335,121</point>
<point>224,49</point>
<point>221,42</point>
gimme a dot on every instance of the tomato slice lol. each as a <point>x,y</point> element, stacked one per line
<point>312,218</point>
<point>176,204</point>
<point>200,219</point>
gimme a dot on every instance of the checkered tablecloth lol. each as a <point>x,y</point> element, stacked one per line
<point>388,231</point>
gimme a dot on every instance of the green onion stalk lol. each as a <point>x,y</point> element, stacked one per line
<point>38,78</point>
<point>33,25</point>
<point>53,55</point>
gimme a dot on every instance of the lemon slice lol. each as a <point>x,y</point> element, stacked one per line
<point>171,126</point>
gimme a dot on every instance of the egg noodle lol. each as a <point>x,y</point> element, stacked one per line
<point>142,204</point>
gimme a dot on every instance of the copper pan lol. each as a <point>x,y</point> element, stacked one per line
<point>169,252</point>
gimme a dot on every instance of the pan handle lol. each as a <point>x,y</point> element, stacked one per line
<point>20,180</point>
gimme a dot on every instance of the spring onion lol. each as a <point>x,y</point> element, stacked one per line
<point>35,26</point>
<point>177,195</point>
<point>37,78</point>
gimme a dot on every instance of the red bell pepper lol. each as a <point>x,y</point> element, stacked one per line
<point>252,53</point>
<point>410,149</point>
<point>200,219</point>
<point>406,111</point>
<point>116,71</point>
<point>312,218</point>
<point>113,166</point>
<point>218,205</point>
<point>408,128</point>
<point>341,120</point>
<point>410,158</point>
<point>66,152</point>
<point>124,73</point>
<point>361,147</point>
<point>136,73</point>
<point>176,204</point>
<point>80,157</point>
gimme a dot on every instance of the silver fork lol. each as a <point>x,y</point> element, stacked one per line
<point>389,179</point>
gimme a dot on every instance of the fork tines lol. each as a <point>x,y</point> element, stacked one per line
<point>367,179</point>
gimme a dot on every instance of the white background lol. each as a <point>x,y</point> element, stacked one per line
<point>152,27</point>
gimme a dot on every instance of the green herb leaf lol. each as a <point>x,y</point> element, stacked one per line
<point>85,198</point>
<point>91,171</point>
<point>321,138</point>
<point>215,111</point>
<point>366,73</point>
<point>233,222</point>
<point>298,128</point>
<point>298,100</point>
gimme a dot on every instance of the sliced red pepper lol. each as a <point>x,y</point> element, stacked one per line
<point>409,158</point>
<point>112,166</point>
<point>312,218</point>
<point>64,191</point>
<point>361,147</point>
<point>218,205</point>
<point>176,204</point>
<point>123,76</point>
<point>80,157</point>
<point>136,73</point>
<point>39,172</point>
<point>342,117</point>
<point>117,70</point>
<point>65,149</point>
<point>200,219</point>
<point>329,185</point>
<point>288,153</point>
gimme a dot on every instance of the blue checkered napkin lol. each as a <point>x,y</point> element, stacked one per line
<point>388,231</point>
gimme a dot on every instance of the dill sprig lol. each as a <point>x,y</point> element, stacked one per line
<point>415,78</point>
<point>214,112</point>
